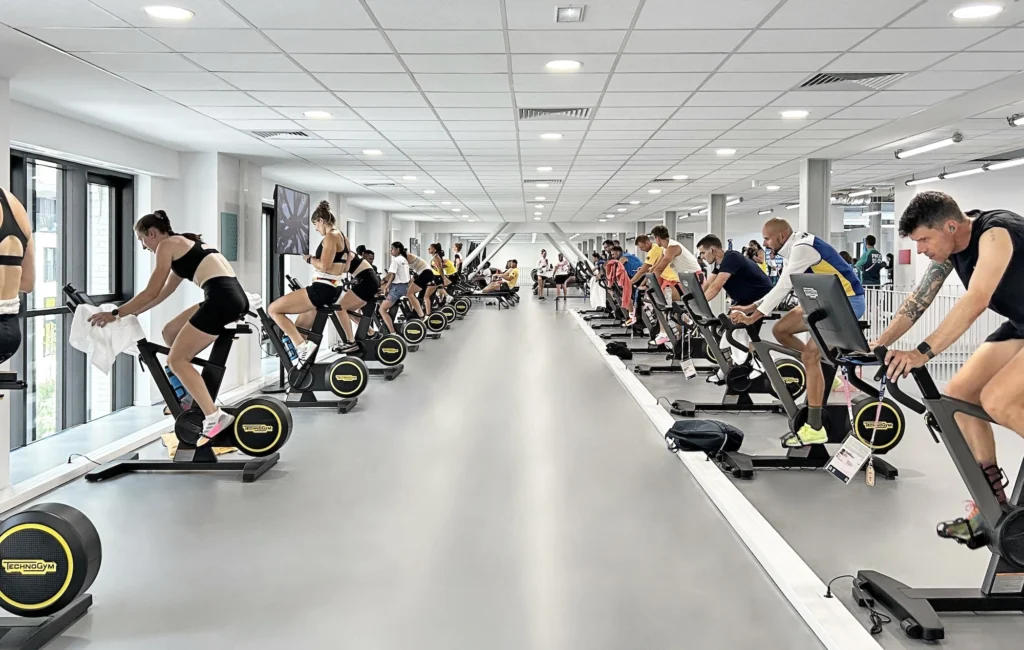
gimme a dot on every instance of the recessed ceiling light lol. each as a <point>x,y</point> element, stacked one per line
<point>794,114</point>
<point>542,185</point>
<point>446,202</point>
<point>540,198</point>
<point>372,152</point>
<point>408,178</point>
<point>163,12</point>
<point>550,136</point>
<point>456,209</point>
<point>544,169</point>
<point>621,210</point>
<point>536,218</point>
<point>680,177</point>
<point>602,220</point>
<point>472,220</point>
<point>634,203</point>
<point>773,188</point>
<point>570,14</point>
<point>654,191</point>
<point>317,115</point>
<point>609,216</point>
<point>725,152</point>
<point>563,65</point>
<point>968,12</point>
<point>539,206</point>
<point>429,192</point>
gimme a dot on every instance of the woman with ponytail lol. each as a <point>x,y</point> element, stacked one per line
<point>396,282</point>
<point>183,256</point>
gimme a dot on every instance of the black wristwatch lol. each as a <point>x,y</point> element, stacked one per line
<point>926,350</point>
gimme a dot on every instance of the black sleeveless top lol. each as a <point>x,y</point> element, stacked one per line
<point>185,266</point>
<point>339,256</point>
<point>10,228</point>
<point>1008,299</point>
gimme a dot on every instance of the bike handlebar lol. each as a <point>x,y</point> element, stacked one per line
<point>893,384</point>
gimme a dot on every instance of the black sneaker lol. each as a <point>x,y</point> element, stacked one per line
<point>970,531</point>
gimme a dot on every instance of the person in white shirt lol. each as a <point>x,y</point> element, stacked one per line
<point>563,271</point>
<point>396,282</point>
<point>544,269</point>
<point>678,256</point>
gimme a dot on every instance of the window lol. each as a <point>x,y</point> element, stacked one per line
<point>100,227</point>
<point>49,265</point>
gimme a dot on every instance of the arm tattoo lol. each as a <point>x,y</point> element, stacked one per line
<point>922,298</point>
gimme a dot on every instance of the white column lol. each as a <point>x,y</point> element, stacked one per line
<point>815,197</point>
<point>670,223</point>
<point>716,225</point>
<point>875,226</point>
<point>5,182</point>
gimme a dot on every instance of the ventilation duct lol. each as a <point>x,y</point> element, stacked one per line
<point>851,80</point>
<point>554,114</point>
<point>280,135</point>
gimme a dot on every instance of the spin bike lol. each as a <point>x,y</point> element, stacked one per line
<point>262,424</point>
<point>877,421</point>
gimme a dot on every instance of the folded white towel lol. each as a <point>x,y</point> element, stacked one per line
<point>255,300</point>
<point>103,344</point>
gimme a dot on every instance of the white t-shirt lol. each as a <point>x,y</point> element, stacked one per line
<point>562,268</point>
<point>544,267</point>
<point>400,268</point>
<point>685,261</point>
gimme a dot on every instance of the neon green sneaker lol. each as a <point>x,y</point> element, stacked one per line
<point>807,435</point>
<point>837,383</point>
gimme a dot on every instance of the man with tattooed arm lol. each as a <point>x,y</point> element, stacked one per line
<point>986,249</point>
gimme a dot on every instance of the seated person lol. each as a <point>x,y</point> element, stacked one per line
<point>17,270</point>
<point>184,257</point>
<point>667,276</point>
<point>739,275</point>
<point>506,280</point>
<point>804,253</point>
<point>369,256</point>
<point>676,256</point>
<point>396,282</point>
<point>986,249</point>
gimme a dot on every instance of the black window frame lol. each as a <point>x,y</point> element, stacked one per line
<point>73,257</point>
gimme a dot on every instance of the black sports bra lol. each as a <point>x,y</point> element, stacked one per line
<point>185,266</point>
<point>339,256</point>
<point>10,228</point>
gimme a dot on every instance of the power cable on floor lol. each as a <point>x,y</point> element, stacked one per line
<point>877,618</point>
<point>72,457</point>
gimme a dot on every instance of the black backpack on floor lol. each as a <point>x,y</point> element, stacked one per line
<point>619,349</point>
<point>710,436</point>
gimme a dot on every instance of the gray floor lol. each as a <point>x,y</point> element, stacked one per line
<point>840,529</point>
<point>505,492</point>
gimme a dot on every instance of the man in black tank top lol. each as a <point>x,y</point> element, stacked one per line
<point>986,249</point>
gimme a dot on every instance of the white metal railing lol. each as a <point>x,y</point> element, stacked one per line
<point>882,305</point>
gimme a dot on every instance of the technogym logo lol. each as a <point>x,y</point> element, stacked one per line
<point>879,426</point>
<point>257,428</point>
<point>345,377</point>
<point>29,567</point>
<point>390,350</point>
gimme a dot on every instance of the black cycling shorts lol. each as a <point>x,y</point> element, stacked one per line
<point>10,336</point>
<point>224,303</point>
<point>1008,331</point>
<point>322,294</point>
<point>561,279</point>
<point>424,279</point>
<point>365,285</point>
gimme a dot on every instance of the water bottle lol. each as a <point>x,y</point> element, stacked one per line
<point>290,347</point>
<point>179,390</point>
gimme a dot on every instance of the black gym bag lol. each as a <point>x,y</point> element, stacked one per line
<point>619,349</point>
<point>710,436</point>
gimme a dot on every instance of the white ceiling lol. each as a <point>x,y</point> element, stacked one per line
<point>436,84</point>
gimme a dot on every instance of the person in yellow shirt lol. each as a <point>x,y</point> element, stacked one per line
<point>503,281</point>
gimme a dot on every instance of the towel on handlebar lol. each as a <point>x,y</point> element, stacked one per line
<point>103,344</point>
<point>617,276</point>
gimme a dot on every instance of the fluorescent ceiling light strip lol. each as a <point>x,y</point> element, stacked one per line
<point>873,213</point>
<point>861,192</point>
<point>966,172</point>
<point>793,207</point>
<point>907,153</point>
<point>922,181</point>
<point>1006,165</point>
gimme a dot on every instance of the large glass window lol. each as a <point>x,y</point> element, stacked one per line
<point>44,355</point>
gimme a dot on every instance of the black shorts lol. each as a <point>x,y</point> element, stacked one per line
<point>424,279</point>
<point>365,285</point>
<point>1008,331</point>
<point>224,303</point>
<point>10,336</point>
<point>561,279</point>
<point>437,281</point>
<point>322,294</point>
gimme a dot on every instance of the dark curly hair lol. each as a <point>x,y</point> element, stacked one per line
<point>931,210</point>
<point>160,222</point>
<point>323,213</point>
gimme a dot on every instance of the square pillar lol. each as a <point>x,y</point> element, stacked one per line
<point>670,223</point>
<point>716,226</point>
<point>815,197</point>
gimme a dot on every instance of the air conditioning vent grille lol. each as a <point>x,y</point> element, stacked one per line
<point>873,80</point>
<point>668,180</point>
<point>378,184</point>
<point>554,113</point>
<point>531,181</point>
<point>280,135</point>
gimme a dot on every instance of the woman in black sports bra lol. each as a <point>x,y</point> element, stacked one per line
<point>365,285</point>
<point>184,257</point>
<point>17,270</point>
<point>329,264</point>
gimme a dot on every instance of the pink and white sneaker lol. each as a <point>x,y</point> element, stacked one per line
<point>215,424</point>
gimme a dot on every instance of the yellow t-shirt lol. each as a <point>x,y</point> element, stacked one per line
<point>764,267</point>
<point>449,267</point>
<point>653,256</point>
<point>513,277</point>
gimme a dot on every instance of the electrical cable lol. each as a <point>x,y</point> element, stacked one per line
<point>877,618</point>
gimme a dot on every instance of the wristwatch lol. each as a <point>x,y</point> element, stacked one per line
<point>116,313</point>
<point>926,350</point>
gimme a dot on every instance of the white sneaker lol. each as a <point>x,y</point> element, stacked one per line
<point>662,339</point>
<point>305,349</point>
<point>214,425</point>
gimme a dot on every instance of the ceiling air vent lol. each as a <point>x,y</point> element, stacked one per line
<point>852,80</point>
<point>532,181</point>
<point>378,184</point>
<point>668,180</point>
<point>280,135</point>
<point>554,113</point>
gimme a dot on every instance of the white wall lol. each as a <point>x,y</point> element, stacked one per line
<point>67,138</point>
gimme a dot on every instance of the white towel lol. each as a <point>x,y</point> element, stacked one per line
<point>255,300</point>
<point>103,344</point>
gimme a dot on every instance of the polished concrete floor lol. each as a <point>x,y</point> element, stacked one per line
<point>504,492</point>
<point>839,529</point>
